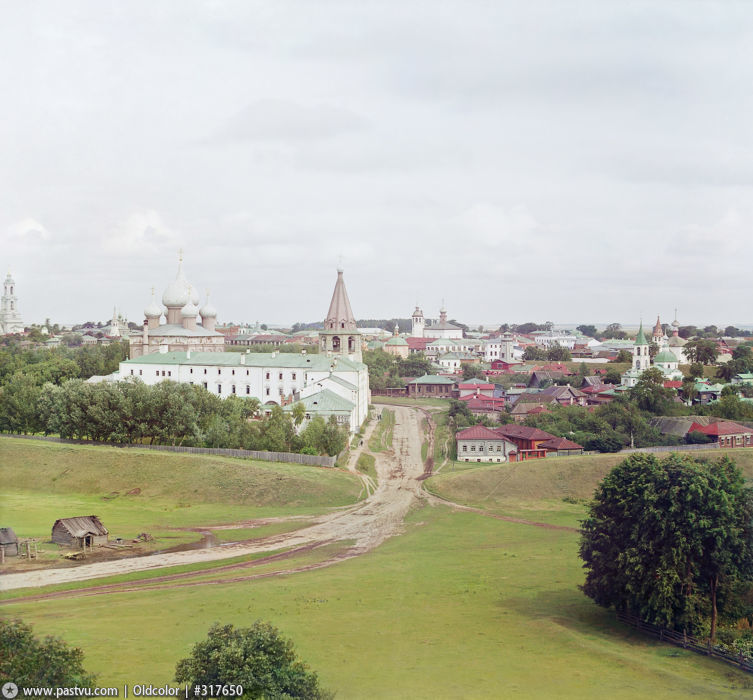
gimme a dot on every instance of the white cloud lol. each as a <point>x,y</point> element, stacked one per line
<point>29,231</point>
<point>142,232</point>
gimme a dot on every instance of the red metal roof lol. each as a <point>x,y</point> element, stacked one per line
<point>559,443</point>
<point>720,428</point>
<point>478,432</point>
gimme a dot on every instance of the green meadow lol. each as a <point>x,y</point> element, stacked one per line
<point>460,605</point>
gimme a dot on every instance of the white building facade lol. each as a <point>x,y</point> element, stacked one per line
<point>10,317</point>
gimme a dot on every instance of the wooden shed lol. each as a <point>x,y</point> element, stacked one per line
<point>8,542</point>
<point>84,531</point>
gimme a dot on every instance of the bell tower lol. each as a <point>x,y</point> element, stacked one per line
<point>340,335</point>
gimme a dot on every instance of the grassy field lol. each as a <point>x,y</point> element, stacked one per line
<point>367,464</point>
<point>459,606</point>
<point>140,490</point>
<point>553,490</point>
<point>405,401</point>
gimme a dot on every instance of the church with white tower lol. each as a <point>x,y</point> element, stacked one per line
<point>441,329</point>
<point>10,318</point>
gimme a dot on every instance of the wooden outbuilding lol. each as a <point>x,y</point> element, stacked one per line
<point>8,542</point>
<point>83,531</point>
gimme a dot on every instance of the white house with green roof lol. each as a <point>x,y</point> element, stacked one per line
<point>641,359</point>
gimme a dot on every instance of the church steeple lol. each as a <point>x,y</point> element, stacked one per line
<point>340,334</point>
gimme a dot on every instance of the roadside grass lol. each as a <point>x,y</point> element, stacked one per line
<point>253,533</point>
<point>405,401</point>
<point>553,490</point>
<point>46,481</point>
<point>381,438</point>
<point>460,605</point>
<point>443,444</point>
<point>367,465</point>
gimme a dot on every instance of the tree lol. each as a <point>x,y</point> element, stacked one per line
<point>614,330</point>
<point>534,353</point>
<point>298,412</point>
<point>612,377</point>
<point>557,353</point>
<point>624,356</point>
<point>258,658</point>
<point>649,392</point>
<point>473,371</point>
<point>587,330</point>
<point>29,662</point>
<point>702,350</point>
<point>653,349</point>
<point>415,365</point>
<point>696,370</point>
<point>662,538</point>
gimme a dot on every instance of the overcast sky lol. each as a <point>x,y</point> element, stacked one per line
<point>564,161</point>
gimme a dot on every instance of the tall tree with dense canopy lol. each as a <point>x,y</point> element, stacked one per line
<point>48,663</point>
<point>258,658</point>
<point>663,538</point>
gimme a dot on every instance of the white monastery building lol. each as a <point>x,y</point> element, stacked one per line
<point>442,329</point>
<point>333,382</point>
<point>10,318</point>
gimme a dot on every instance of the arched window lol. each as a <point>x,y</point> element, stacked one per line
<point>336,343</point>
<point>351,344</point>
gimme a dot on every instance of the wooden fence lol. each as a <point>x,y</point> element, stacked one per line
<point>686,641</point>
<point>262,455</point>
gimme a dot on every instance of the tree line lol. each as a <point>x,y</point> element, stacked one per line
<point>167,413</point>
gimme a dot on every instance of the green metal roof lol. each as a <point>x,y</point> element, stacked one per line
<point>320,363</point>
<point>324,400</point>
<point>432,379</point>
<point>396,340</point>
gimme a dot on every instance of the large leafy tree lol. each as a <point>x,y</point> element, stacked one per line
<point>649,392</point>
<point>30,662</point>
<point>663,538</point>
<point>258,658</point>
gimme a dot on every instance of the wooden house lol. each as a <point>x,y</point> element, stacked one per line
<point>83,531</point>
<point>8,542</point>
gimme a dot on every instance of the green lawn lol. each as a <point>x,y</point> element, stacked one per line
<point>46,481</point>
<point>381,438</point>
<point>459,606</point>
<point>367,464</point>
<point>405,401</point>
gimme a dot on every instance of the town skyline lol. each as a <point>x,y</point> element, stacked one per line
<point>534,170</point>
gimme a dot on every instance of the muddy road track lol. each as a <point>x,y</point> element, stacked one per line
<point>365,525</point>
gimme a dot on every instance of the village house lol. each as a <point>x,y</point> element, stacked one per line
<point>726,433</point>
<point>83,531</point>
<point>480,444</point>
<point>431,385</point>
<point>8,542</point>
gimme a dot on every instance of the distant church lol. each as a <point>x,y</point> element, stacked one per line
<point>181,332</point>
<point>443,329</point>
<point>10,318</point>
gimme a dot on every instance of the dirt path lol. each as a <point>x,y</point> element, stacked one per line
<point>367,523</point>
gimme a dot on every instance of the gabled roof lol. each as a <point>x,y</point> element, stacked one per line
<point>479,432</point>
<point>559,443</point>
<point>432,379</point>
<point>7,536</point>
<point>476,384</point>
<point>523,432</point>
<point>560,391</point>
<point>82,526</point>
<point>720,428</point>
<point>324,400</point>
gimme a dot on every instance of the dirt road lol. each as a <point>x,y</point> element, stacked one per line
<point>367,523</point>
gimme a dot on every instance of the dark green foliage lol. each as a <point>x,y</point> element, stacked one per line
<point>587,330</point>
<point>29,662</point>
<point>696,437</point>
<point>473,371</point>
<point>664,539</point>
<point>415,365</point>
<point>558,354</point>
<point>701,350</point>
<point>534,354</point>
<point>612,377</point>
<point>605,442</point>
<point>614,331</point>
<point>624,356</point>
<point>649,392</point>
<point>258,658</point>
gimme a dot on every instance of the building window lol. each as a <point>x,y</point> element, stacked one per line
<point>248,389</point>
<point>232,372</point>
<point>465,448</point>
<point>219,371</point>
<point>233,388</point>
<point>473,448</point>
<point>140,373</point>
<point>205,385</point>
<point>131,372</point>
<point>267,375</point>
<point>219,388</point>
<point>169,373</point>
<point>293,376</point>
<point>280,377</point>
<point>499,448</point>
<point>205,370</point>
<point>163,372</point>
<point>247,373</point>
<point>157,373</point>
<point>190,371</point>
<point>267,391</point>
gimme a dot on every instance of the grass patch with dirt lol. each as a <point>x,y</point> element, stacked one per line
<point>460,605</point>
<point>366,464</point>
<point>381,438</point>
